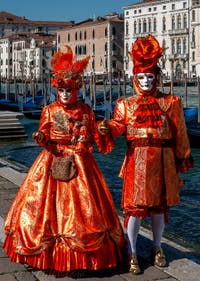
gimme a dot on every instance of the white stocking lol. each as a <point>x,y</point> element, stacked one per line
<point>132,232</point>
<point>158,224</point>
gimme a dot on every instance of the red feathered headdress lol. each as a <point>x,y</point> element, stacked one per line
<point>145,54</point>
<point>67,70</point>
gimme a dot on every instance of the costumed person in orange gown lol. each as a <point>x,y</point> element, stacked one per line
<point>63,217</point>
<point>157,149</point>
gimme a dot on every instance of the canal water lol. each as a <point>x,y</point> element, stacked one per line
<point>183,223</point>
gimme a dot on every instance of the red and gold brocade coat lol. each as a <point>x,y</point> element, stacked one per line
<point>155,154</point>
<point>65,225</point>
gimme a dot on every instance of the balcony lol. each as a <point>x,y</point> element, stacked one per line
<point>174,32</point>
<point>175,57</point>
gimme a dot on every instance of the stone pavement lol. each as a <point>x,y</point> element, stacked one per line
<point>183,263</point>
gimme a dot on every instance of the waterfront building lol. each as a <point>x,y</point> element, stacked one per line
<point>26,46</point>
<point>176,25</point>
<point>26,56</point>
<point>101,38</point>
<point>11,24</point>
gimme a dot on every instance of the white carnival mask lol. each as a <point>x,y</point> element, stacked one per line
<point>64,95</point>
<point>146,81</point>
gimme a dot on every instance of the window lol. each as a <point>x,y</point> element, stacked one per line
<point>114,64</point>
<point>193,56</point>
<point>85,35</point>
<point>135,27</point>
<point>193,68</point>
<point>164,24</point>
<point>173,47</point>
<point>127,13</point>
<point>126,49</point>
<point>149,24</point>
<point>155,8</point>
<point>184,21</point>
<point>178,46</point>
<point>113,31</point>
<point>149,9</point>
<point>106,47</point>
<point>154,25</point>
<point>144,26</point>
<point>179,22</point>
<point>80,35</point>
<point>93,33</point>
<point>184,5</point>
<point>184,46</point>
<point>127,29</point>
<point>193,35</point>
<point>164,7</point>
<point>139,26</point>
<point>106,32</point>
<point>76,37</point>
<point>114,47</point>
<point>193,16</point>
<point>68,37</point>
<point>173,22</point>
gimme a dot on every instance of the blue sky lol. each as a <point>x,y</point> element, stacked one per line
<point>63,10</point>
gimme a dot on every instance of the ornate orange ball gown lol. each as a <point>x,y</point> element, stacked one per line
<point>65,225</point>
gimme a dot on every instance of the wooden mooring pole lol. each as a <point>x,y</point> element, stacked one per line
<point>198,91</point>
<point>185,92</point>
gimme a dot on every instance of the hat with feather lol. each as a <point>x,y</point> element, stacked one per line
<point>67,71</point>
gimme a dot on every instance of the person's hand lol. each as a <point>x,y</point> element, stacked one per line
<point>38,137</point>
<point>104,128</point>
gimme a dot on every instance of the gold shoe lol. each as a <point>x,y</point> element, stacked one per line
<point>158,256</point>
<point>134,266</point>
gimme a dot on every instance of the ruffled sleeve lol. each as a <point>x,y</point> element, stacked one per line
<point>117,124</point>
<point>184,160</point>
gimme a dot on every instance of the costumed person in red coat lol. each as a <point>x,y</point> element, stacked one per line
<point>158,149</point>
<point>63,217</point>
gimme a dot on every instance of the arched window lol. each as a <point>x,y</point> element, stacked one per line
<point>173,47</point>
<point>106,32</point>
<point>173,22</point>
<point>149,25</point>
<point>93,33</point>
<point>80,35</point>
<point>193,15</point>
<point>85,35</point>
<point>184,21</point>
<point>179,21</point>
<point>135,27</point>
<point>76,36</point>
<point>106,47</point>
<point>184,46</point>
<point>178,44</point>
<point>154,24</point>
<point>139,26</point>
<point>127,49</point>
<point>164,24</point>
<point>114,47</point>
<point>127,28</point>
<point>144,26</point>
<point>68,37</point>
